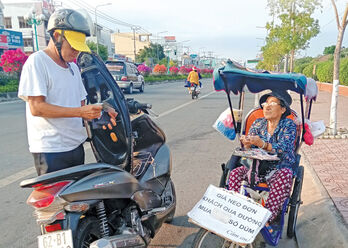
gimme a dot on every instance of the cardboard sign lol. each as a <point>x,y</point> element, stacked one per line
<point>229,215</point>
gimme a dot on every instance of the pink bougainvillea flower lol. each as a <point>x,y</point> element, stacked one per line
<point>13,60</point>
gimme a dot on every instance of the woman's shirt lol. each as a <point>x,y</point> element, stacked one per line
<point>282,140</point>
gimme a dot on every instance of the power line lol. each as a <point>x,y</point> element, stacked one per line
<point>102,15</point>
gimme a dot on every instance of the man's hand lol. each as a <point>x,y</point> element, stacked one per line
<point>91,111</point>
<point>112,113</point>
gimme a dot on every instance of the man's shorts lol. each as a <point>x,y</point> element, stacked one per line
<point>53,161</point>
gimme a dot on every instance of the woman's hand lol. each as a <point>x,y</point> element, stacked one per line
<point>250,140</point>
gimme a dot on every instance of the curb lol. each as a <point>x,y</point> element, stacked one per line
<point>9,96</point>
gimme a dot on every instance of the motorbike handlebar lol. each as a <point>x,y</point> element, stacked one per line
<point>135,106</point>
<point>143,105</point>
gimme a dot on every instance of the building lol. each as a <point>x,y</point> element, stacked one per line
<point>129,44</point>
<point>14,19</point>
<point>104,38</point>
<point>104,34</point>
<point>1,15</point>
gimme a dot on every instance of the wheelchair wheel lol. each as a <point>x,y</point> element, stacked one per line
<point>206,239</point>
<point>231,164</point>
<point>295,202</point>
<point>224,176</point>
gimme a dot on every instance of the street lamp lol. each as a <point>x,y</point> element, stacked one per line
<point>182,48</point>
<point>33,19</point>
<point>96,23</point>
<point>167,49</point>
<point>158,43</point>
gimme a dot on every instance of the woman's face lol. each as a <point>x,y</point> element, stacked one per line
<point>272,110</point>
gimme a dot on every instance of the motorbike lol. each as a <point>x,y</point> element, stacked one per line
<point>194,91</point>
<point>121,200</point>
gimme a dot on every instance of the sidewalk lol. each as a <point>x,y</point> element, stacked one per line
<point>329,157</point>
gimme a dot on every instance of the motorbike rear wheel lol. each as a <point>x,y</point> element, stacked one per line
<point>87,232</point>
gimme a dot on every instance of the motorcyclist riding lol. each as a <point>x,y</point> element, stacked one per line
<point>193,78</point>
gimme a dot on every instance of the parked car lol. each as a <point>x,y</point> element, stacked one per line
<point>126,75</point>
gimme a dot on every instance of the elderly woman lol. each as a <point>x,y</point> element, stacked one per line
<point>273,133</point>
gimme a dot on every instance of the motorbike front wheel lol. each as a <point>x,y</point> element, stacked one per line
<point>87,232</point>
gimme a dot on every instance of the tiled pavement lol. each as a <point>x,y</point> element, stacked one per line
<point>329,157</point>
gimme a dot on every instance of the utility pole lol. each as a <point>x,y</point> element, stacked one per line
<point>135,50</point>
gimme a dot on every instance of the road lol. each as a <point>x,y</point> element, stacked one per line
<point>197,152</point>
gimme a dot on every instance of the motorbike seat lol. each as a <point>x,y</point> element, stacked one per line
<point>72,173</point>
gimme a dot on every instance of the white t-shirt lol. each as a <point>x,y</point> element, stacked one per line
<point>41,76</point>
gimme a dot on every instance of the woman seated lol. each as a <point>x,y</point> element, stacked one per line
<point>273,133</point>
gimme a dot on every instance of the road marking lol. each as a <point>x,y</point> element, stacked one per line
<point>182,105</point>
<point>15,177</point>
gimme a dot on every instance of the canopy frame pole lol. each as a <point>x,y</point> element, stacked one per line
<point>229,101</point>
<point>303,117</point>
<point>310,109</point>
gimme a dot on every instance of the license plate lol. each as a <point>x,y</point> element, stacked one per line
<point>60,239</point>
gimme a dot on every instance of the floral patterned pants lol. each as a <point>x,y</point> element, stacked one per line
<point>280,186</point>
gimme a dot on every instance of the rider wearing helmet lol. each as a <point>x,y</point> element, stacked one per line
<point>52,88</point>
<point>193,78</point>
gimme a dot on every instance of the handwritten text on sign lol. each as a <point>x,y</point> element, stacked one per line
<point>230,215</point>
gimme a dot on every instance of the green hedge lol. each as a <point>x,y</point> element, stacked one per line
<point>308,70</point>
<point>10,86</point>
<point>5,78</point>
<point>344,71</point>
<point>158,78</point>
<point>324,71</point>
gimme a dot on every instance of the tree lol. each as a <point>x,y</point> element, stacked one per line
<point>103,50</point>
<point>154,52</point>
<point>341,26</point>
<point>329,50</point>
<point>273,53</point>
<point>296,25</point>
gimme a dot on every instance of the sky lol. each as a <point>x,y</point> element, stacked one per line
<point>228,28</point>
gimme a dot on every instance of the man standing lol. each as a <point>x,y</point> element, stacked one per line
<point>52,87</point>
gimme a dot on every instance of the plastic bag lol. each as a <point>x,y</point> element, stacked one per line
<point>224,124</point>
<point>187,84</point>
<point>317,128</point>
<point>313,130</point>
